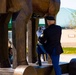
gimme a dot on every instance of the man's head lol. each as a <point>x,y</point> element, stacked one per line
<point>50,20</point>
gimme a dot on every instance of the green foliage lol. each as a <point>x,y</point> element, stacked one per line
<point>72,23</point>
<point>69,50</point>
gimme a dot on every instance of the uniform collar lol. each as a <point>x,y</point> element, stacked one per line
<point>52,25</point>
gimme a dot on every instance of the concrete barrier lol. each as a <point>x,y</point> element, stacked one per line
<point>25,70</point>
<point>6,71</point>
<point>72,67</point>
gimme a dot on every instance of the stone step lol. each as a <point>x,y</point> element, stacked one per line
<point>6,71</point>
<point>49,70</point>
<point>41,70</point>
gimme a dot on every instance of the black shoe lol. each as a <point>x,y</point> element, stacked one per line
<point>38,63</point>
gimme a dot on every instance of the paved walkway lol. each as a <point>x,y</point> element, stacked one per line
<point>67,57</point>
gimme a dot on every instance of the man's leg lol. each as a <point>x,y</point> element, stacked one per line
<point>55,62</point>
<point>39,59</point>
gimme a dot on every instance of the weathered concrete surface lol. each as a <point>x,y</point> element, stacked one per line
<point>6,71</point>
<point>67,57</point>
<point>25,70</point>
<point>45,69</point>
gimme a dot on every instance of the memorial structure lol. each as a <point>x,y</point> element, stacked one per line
<point>31,10</point>
<point>7,8</point>
<point>22,11</point>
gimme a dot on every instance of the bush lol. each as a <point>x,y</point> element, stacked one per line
<point>69,50</point>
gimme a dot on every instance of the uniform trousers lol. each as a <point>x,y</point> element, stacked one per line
<point>55,62</point>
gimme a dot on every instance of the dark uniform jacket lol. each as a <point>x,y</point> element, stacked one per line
<point>51,39</point>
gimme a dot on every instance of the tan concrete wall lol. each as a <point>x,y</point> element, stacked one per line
<point>68,38</point>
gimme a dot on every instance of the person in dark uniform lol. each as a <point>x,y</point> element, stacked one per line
<point>51,41</point>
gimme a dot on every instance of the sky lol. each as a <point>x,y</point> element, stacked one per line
<point>64,18</point>
<point>68,4</point>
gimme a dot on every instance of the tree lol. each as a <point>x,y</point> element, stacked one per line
<point>72,23</point>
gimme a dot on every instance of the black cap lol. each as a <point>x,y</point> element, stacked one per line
<point>50,18</point>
